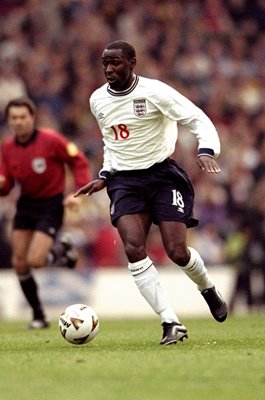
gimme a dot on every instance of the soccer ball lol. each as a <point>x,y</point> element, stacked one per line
<point>78,324</point>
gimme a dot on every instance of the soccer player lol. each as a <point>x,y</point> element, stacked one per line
<point>36,159</point>
<point>138,119</point>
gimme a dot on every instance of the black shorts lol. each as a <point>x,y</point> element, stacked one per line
<point>45,215</point>
<point>163,190</point>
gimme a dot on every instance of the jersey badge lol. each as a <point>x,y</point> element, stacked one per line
<point>39,165</point>
<point>139,107</point>
<point>71,149</point>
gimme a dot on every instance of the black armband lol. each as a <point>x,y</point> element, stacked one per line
<point>206,152</point>
<point>104,175</point>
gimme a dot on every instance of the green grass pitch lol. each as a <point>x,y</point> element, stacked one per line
<point>125,362</point>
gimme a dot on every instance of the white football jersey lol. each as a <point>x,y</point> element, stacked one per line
<point>139,125</point>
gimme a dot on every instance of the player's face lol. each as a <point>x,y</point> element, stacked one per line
<point>117,69</point>
<point>21,121</point>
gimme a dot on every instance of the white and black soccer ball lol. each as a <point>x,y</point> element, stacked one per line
<point>78,324</point>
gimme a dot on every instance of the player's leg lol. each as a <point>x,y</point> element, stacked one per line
<point>172,210</point>
<point>21,241</point>
<point>174,236</point>
<point>133,230</point>
<point>39,248</point>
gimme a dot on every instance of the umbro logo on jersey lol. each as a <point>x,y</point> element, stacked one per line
<point>101,116</point>
<point>139,107</point>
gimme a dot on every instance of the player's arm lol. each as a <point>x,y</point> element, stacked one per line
<point>5,185</point>
<point>78,164</point>
<point>6,180</point>
<point>179,108</point>
<point>79,167</point>
<point>69,153</point>
<point>208,164</point>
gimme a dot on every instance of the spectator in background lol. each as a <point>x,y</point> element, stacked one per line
<point>35,159</point>
<point>11,85</point>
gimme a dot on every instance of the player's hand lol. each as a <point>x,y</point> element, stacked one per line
<point>2,181</point>
<point>91,187</point>
<point>208,164</point>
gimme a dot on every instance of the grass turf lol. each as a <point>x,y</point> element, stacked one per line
<point>125,362</point>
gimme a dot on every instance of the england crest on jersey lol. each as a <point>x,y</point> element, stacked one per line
<point>139,107</point>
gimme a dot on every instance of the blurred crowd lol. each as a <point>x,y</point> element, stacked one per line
<point>212,51</point>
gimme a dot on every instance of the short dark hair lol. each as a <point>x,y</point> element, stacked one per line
<point>127,49</point>
<point>21,102</point>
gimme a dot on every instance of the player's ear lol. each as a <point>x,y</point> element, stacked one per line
<point>133,62</point>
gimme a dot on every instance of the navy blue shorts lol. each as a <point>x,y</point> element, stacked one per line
<point>45,215</point>
<point>163,190</point>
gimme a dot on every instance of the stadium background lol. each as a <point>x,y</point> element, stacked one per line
<point>211,51</point>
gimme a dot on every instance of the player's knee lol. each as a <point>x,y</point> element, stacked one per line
<point>179,254</point>
<point>20,265</point>
<point>35,262</point>
<point>135,253</point>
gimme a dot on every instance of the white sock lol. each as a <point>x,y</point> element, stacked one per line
<point>196,271</point>
<point>146,278</point>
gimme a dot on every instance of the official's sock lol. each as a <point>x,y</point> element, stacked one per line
<point>30,290</point>
<point>196,271</point>
<point>146,278</point>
